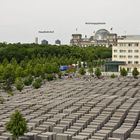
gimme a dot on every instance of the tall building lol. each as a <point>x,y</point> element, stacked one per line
<point>101,38</point>
<point>127,50</point>
<point>36,40</point>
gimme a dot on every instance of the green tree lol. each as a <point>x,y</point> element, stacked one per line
<point>19,71</point>
<point>9,73</point>
<point>5,62</point>
<point>13,62</point>
<point>28,80</point>
<point>19,84</point>
<point>90,70</point>
<point>37,83</point>
<point>17,125</point>
<point>1,72</point>
<point>98,72</point>
<point>123,72</point>
<point>113,75</point>
<point>79,64</point>
<point>38,70</point>
<point>135,72</point>
<point>8,77</point>
<point>82,71</point>
<point>49,77</point>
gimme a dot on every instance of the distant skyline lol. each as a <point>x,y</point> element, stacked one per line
<point>20,20</point>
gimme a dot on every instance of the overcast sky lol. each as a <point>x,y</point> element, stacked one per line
<point>20,20</point>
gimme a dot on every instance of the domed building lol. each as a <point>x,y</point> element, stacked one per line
<point>101,38</point>
<point>101,34</point>
<point>44,42</point>
<point>57,42</point>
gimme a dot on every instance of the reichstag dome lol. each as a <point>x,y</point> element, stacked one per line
<point>101,34</point>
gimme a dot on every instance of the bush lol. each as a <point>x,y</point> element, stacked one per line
<point>28,80</point>
<point>82,71</point>
<point>113,75</point>
<point>37,83</point>
<point>98,72</point>
<point>123,72</point>
<point>135,73</point>
<point>59,75</point>
<point>7,85</point>
<point>49,77</point>
<point>17,125</point>
<point>19,84</point>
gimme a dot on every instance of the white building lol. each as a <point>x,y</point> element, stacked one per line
<point>127,50</point>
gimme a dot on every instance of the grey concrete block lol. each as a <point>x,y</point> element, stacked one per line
<point>58,129</point>
<point>4,138</point>
<point>135,134</point>
<point>42,137</point>
<point>79,137</point>
<point>63,137</point>
<point>51,135</point>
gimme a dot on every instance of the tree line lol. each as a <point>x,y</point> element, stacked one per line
<point>21,51</point>
<point>30,64</point>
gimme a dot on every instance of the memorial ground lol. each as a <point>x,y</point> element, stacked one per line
<point>77,109</point>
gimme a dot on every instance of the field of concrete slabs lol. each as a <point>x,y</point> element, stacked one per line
<point>77,109</point>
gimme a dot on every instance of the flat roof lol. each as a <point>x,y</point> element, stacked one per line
<point>130,38</point>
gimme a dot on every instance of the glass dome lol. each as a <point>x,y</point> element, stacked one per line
<point>101,34</point>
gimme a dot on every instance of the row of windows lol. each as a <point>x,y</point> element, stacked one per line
<point>124,56</point>
<point>128,44</point>
<point>135,62</point>
<point>129,51</point>
<point>130,56</point>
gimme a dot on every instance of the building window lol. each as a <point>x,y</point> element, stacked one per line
<point>130,51</point>
<point>136,51</point>
<point>136,62</point>
<point>122,51</point>
<point>137,44</point>
<point>136,56</point>
<point>115,56</point>
<point>129,62</point>
<point>122,56</point>
<point>129,44</point>
<point>129,56</point>
<point>115,51</point>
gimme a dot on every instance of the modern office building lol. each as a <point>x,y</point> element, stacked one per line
<point>44,42</point>
<point>127,50</point>
<point>101,38</point>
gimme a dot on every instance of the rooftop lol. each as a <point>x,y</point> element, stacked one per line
<point>131,37</point>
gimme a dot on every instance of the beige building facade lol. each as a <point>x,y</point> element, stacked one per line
<point>127,50</point>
